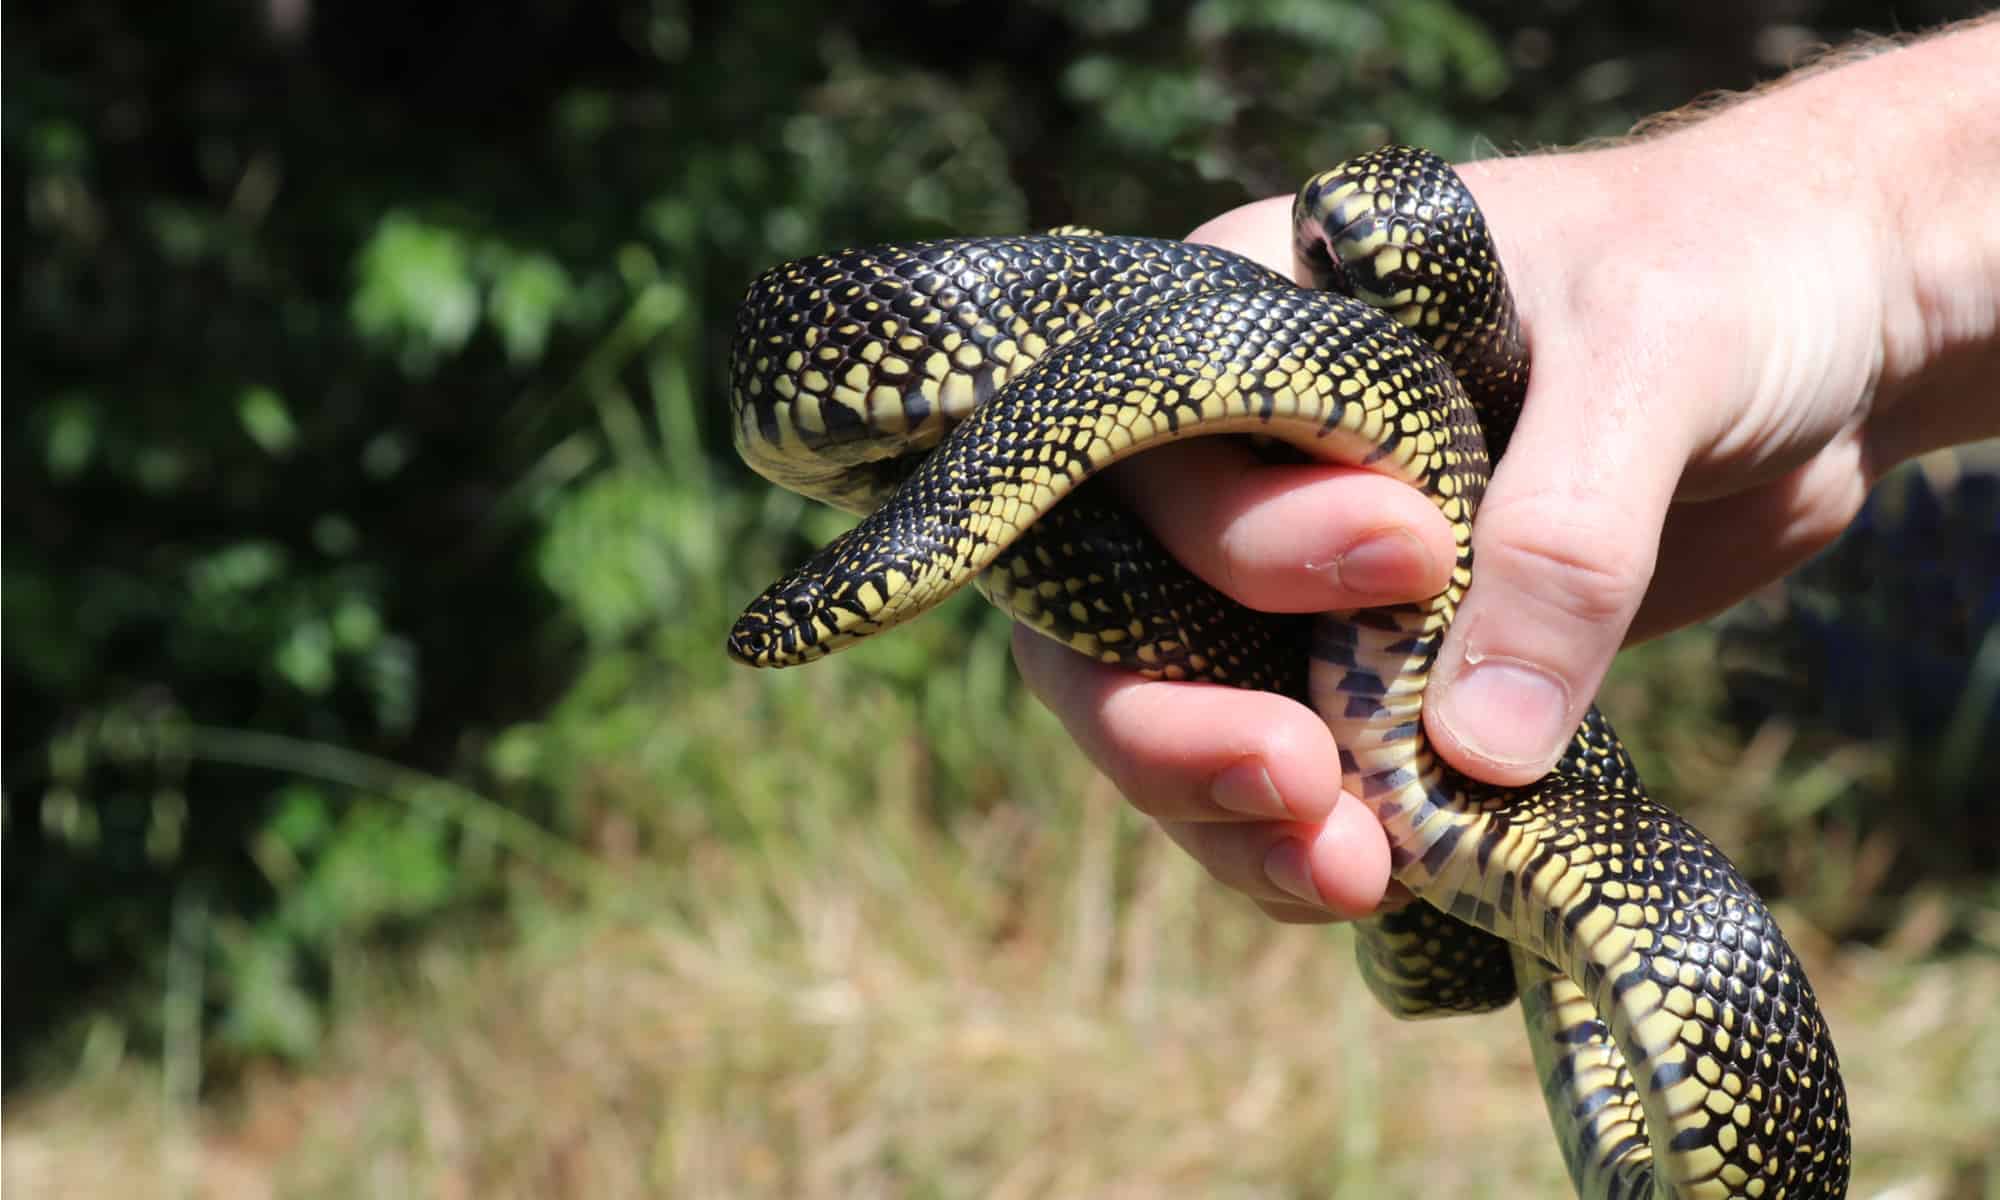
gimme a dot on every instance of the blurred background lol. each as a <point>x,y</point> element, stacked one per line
<point>382,817</point>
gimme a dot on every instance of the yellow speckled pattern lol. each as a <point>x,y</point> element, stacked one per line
<point>1591,1097</point>
<point>963,394</point>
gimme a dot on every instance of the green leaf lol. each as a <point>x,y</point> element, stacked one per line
<point>265,418</point>
<point>525,303</point>
<point>236,569</point>
<point>416,294</point>
<point>305,657</point>
<point>302,820</point>
<point>269,1012</point>
<point>71,437</point>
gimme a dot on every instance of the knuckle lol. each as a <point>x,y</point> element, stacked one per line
<point>1592,570</point>
<point>1829,502</point>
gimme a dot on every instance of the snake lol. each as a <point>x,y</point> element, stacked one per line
<point>962,398</point>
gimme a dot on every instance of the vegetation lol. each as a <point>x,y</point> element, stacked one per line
<point>381,816</point>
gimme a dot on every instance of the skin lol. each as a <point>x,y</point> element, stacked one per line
<point>1737,327</point>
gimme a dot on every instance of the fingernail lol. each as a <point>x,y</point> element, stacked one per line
<point>1247,788</point>
<point>1507,712</point>
<point>1381,564</point>
<point>1285,865</point>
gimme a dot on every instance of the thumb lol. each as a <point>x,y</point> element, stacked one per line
<point>1563,550</point>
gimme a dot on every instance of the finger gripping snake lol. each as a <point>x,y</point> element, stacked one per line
<point>964,395</point>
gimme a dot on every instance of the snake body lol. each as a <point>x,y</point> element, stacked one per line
<point>963,394</point>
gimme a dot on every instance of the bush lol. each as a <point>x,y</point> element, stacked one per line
<point>365,374</point>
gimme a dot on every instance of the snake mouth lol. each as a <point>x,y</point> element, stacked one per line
<point>752,643</point>
<point>758,640</point>
<point>784,627</point>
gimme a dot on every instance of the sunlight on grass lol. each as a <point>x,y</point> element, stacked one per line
<point>851,991</point>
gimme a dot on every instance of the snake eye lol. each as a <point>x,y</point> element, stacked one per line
<point>799,608</point>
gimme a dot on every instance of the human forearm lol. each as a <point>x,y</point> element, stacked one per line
<point>1906,140</point>
<point>1941,338</point>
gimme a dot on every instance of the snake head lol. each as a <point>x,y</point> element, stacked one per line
<point>853,588</point>
<point>783,627</point>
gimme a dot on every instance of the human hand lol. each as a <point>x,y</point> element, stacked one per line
<point>1736,327</point>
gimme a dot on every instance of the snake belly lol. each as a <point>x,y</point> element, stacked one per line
<point>964,394</point>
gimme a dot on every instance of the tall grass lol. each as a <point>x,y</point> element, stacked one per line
<point>1039,1000</point>
<point>873,929</point>
<point>904,966</point>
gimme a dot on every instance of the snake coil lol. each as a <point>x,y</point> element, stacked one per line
<point>962,394</point>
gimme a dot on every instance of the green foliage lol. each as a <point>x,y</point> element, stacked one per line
<point>365,374</point>
<point>338,867</point>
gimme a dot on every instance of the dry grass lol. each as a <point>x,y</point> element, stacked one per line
<point>863,999</point>
<point>834,1032</point>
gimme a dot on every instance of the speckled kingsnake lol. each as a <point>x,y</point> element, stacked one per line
<point>955,391</point>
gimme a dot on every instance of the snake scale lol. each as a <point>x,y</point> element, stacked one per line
<point>963,394</point>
